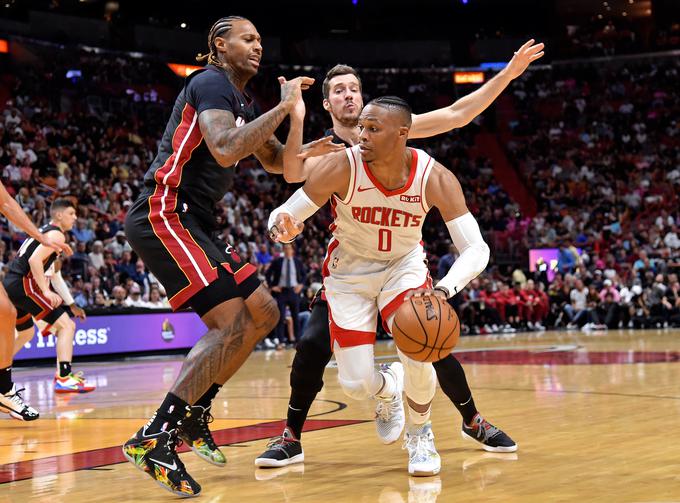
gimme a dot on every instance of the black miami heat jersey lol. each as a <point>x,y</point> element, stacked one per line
<point>20,265</point>
<point>184,162</point>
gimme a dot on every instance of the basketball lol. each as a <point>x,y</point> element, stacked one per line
<point>426,328</point>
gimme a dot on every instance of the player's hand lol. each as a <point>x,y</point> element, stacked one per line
<point>56,246</point>
<point>422,292</point>
<point>291,90</point>
<point>320,147</point>
<point>276,289</point>
<point>297,288</point>
<point>526,54</point>
<point>298,110</point>
<point>78,312</point>
<point>55,300</point>
<point>286,228</point>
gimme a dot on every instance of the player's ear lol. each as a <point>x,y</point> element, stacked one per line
<point>221,44</point>
<point>326,105</point>
<point>403,131</point>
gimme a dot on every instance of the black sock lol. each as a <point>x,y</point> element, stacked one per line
<point>5,380</point>
<point>206,400</point>
<point>64,369</point>
<point>298,408</point>
<point>171,411</point>
<point>452,380</point>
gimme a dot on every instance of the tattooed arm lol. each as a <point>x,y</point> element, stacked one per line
<point>229,144</point>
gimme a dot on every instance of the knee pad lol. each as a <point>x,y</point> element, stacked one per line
<point>420,381</point>
<point>358,390</point>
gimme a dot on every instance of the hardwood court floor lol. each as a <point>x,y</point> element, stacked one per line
<point>596,417</point>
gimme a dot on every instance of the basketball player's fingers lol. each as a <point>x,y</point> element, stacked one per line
<point>282,80</point>
<point>527,44</point>
<point>306,81</point>
<point>536,56</point>
<point>535,48</point>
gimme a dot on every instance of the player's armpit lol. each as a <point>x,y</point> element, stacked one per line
<point>444,191</point>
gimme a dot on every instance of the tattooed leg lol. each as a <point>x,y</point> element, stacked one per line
<point>220,352</point>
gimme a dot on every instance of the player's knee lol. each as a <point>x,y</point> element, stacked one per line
<point>315,346</point>
<point>356,389</point>
<point>420,382</point>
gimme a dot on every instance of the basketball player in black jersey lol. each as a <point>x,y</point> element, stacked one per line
<point>343,100</point>
<point>11,401</point>
<point>171,227</point>
<point>24,283</point>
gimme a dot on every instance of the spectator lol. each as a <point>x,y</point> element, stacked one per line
<point>97,255</point>
<point>286,277</point>
<point>134,298</point>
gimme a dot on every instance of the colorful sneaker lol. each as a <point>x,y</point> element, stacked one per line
<point>389,413</point>
<point>13,404</point>
<point>281,451</point>
<point>72,383</point>
<point>155,454</point>
<point>423,459</point>
<point>492,439</point>
<point>194,431</point>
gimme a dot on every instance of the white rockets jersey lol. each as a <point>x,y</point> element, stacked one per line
<point>377,223</point>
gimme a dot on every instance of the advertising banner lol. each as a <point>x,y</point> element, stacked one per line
<point>123,333</point>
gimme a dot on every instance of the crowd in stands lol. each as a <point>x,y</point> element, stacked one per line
<point>597,146</point>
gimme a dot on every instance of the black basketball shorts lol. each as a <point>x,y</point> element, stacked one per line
<point>196,269</point>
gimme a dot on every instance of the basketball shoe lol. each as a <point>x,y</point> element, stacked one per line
<point>156,455</point>
<point>13,404</point>
<point>195,433</point>
<point>281,451</point>
<point>492,439</point>
<point>389,413</point>
<point>423,459</point>
<point>72,383</point>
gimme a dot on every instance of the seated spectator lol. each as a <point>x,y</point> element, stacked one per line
<point>134,298</point>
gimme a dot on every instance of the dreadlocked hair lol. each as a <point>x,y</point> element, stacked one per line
<point>220,27</point>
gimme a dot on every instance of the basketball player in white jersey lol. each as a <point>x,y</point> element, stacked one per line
<point>380,193</point>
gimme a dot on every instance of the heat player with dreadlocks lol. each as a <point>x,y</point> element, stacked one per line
<point>171,226</point>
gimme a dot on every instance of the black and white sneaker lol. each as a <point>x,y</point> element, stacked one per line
<point>156,455</point>
<point>13,404</point>
<point>281,451</point>
<point>492,439</point>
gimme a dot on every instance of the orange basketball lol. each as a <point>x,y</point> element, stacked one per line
<point>426,328</point>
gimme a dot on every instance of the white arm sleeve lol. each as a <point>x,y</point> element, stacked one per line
<point>299,205</point>
<point>61,288</point>
<point>474,253</point>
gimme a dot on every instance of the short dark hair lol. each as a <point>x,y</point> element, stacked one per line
<point>61,204</point>
<point>394,103</point>
<point>334,72</point>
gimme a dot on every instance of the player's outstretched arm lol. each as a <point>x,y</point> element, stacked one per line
<point>331,176</point>
<point>36,261</point>
<point>464,110</point>
<point>444,191</point>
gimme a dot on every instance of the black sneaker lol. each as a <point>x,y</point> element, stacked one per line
<point>13,404</point>
<point>492,439</point>
<point>155,454</point>
<point>281,451</point>
<point>194,431</point>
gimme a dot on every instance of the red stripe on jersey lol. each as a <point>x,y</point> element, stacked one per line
<point>32,291</point>
<point>422,185</point>
<point>401,190</point>
<point>244,273</point>
<point>188,255</point>
<point>185,139</point>
<point>348,338</point>
<point>334,213</point>
<point>395,303</point>
<point>331,247</point>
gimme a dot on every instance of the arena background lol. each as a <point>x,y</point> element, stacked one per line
<point>573,173</point>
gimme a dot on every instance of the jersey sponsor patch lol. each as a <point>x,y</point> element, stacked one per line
<point>409,199</point>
